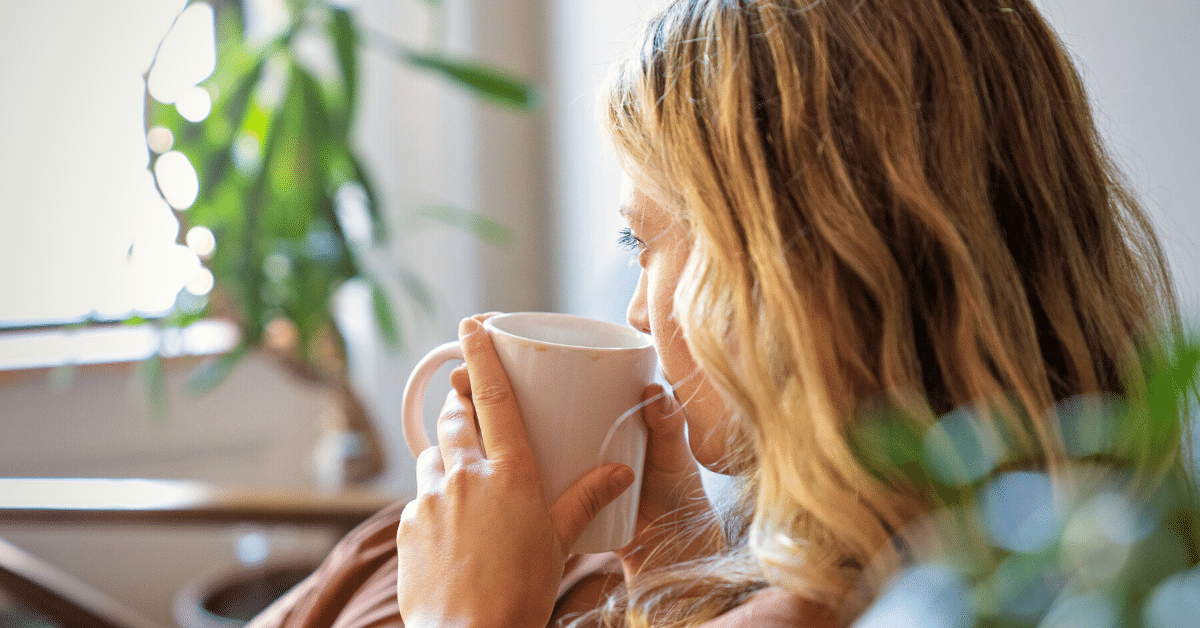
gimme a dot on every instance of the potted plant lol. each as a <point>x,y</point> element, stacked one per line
<point>285,211</point>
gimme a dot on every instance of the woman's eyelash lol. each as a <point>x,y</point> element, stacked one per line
<point>627,241</point>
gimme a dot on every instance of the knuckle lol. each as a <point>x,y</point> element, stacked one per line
<point>406,516</point>
<point>516,470</point>
<point>428,457</point>
<point>460,480</point>
<point>491,394</point>
<point>590,502</point>
<point>460,380</point>
<point>453,424</point>
<point>421,507</point>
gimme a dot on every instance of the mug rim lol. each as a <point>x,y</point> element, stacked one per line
<point>646,341</point>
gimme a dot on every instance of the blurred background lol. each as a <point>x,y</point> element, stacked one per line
<point>485,205</point>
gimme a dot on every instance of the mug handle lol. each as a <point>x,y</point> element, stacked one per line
<point>413,412</point>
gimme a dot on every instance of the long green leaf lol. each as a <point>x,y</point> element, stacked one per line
<point>417,291</point>
<point>481,226</point>
<point>345,44</point>
<point>215,171</point>
<point>211,373</point>
<point>315,121</point>
<point>252,250</point>
<point>154,382</point>
<point>234,110</point>
<point>378,223</point>
<point>484,80</point>
<point>385,317</point>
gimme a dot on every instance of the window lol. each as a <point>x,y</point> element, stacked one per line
<point>84,232</point>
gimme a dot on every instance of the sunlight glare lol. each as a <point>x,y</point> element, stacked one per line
<point>158,273</point>
<point>353,215</point>
<point>264,19</point>
<point>200,284</point>
<point>188,54</point>
<point>184,264</point>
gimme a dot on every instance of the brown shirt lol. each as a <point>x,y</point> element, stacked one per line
<point>355,587</point>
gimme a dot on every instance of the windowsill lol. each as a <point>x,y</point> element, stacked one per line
<point>52,348</point>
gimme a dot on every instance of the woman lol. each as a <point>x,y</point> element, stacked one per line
<point>837,206</point>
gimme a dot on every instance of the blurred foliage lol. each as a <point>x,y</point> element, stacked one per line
<point>1108,539</point>
<point>276,162</point>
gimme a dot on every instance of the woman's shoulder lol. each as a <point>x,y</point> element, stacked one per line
<point>775,607</point>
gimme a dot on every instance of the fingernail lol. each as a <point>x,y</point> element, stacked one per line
<point>467,327</point>
<point>622,477</point>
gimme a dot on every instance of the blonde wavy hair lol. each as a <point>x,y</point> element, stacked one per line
<point>897,200</point>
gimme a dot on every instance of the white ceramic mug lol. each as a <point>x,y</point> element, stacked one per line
<point>578,383</point>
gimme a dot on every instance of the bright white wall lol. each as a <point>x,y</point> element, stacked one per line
<point>1138,57</point>
<point>1139,60</point>
<point>591,276</point>
<point>433,143</point>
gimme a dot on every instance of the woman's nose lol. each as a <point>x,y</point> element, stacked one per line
<point>638,315</point>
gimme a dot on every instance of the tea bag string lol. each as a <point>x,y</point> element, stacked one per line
<point>612,431</point>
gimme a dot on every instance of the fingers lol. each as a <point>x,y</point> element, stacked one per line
<point>460,380</point>
<point>500,426</point>
<point>664,415</point>
<point>575,508</point>
<point>458,436</point>
<point>486,315</point>
<point>666,447</point>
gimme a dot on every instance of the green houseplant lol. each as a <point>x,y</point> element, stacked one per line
<point>287,202</point>
<point>1108,539</point>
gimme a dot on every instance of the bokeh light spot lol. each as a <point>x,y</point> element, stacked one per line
<point>201,283</point>
<point>160,139</point>
<point>277,266</point>
<point>1025,585</point>
<point>1088,422</point>
<point>252,548</point>
<point>247,151</point>
<point>201,241</point>
<point>957,450</point>
<point>194,104</point>
<point>1175,603</point>
<point>1087,550</point>
<point>177,179</point>
<point>1019,511</point>
<point>1085,610</point>
<point>929,596</point>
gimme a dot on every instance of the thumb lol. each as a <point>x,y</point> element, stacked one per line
<point>663,415</point>
<point>667,447</point>
<point>580,503</point>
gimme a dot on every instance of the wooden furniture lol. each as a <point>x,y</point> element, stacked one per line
<point>60,597</point>
<point>174,502</point>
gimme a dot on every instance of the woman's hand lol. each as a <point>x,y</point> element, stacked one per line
<point>673,502</point>
<point>479,546</point>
